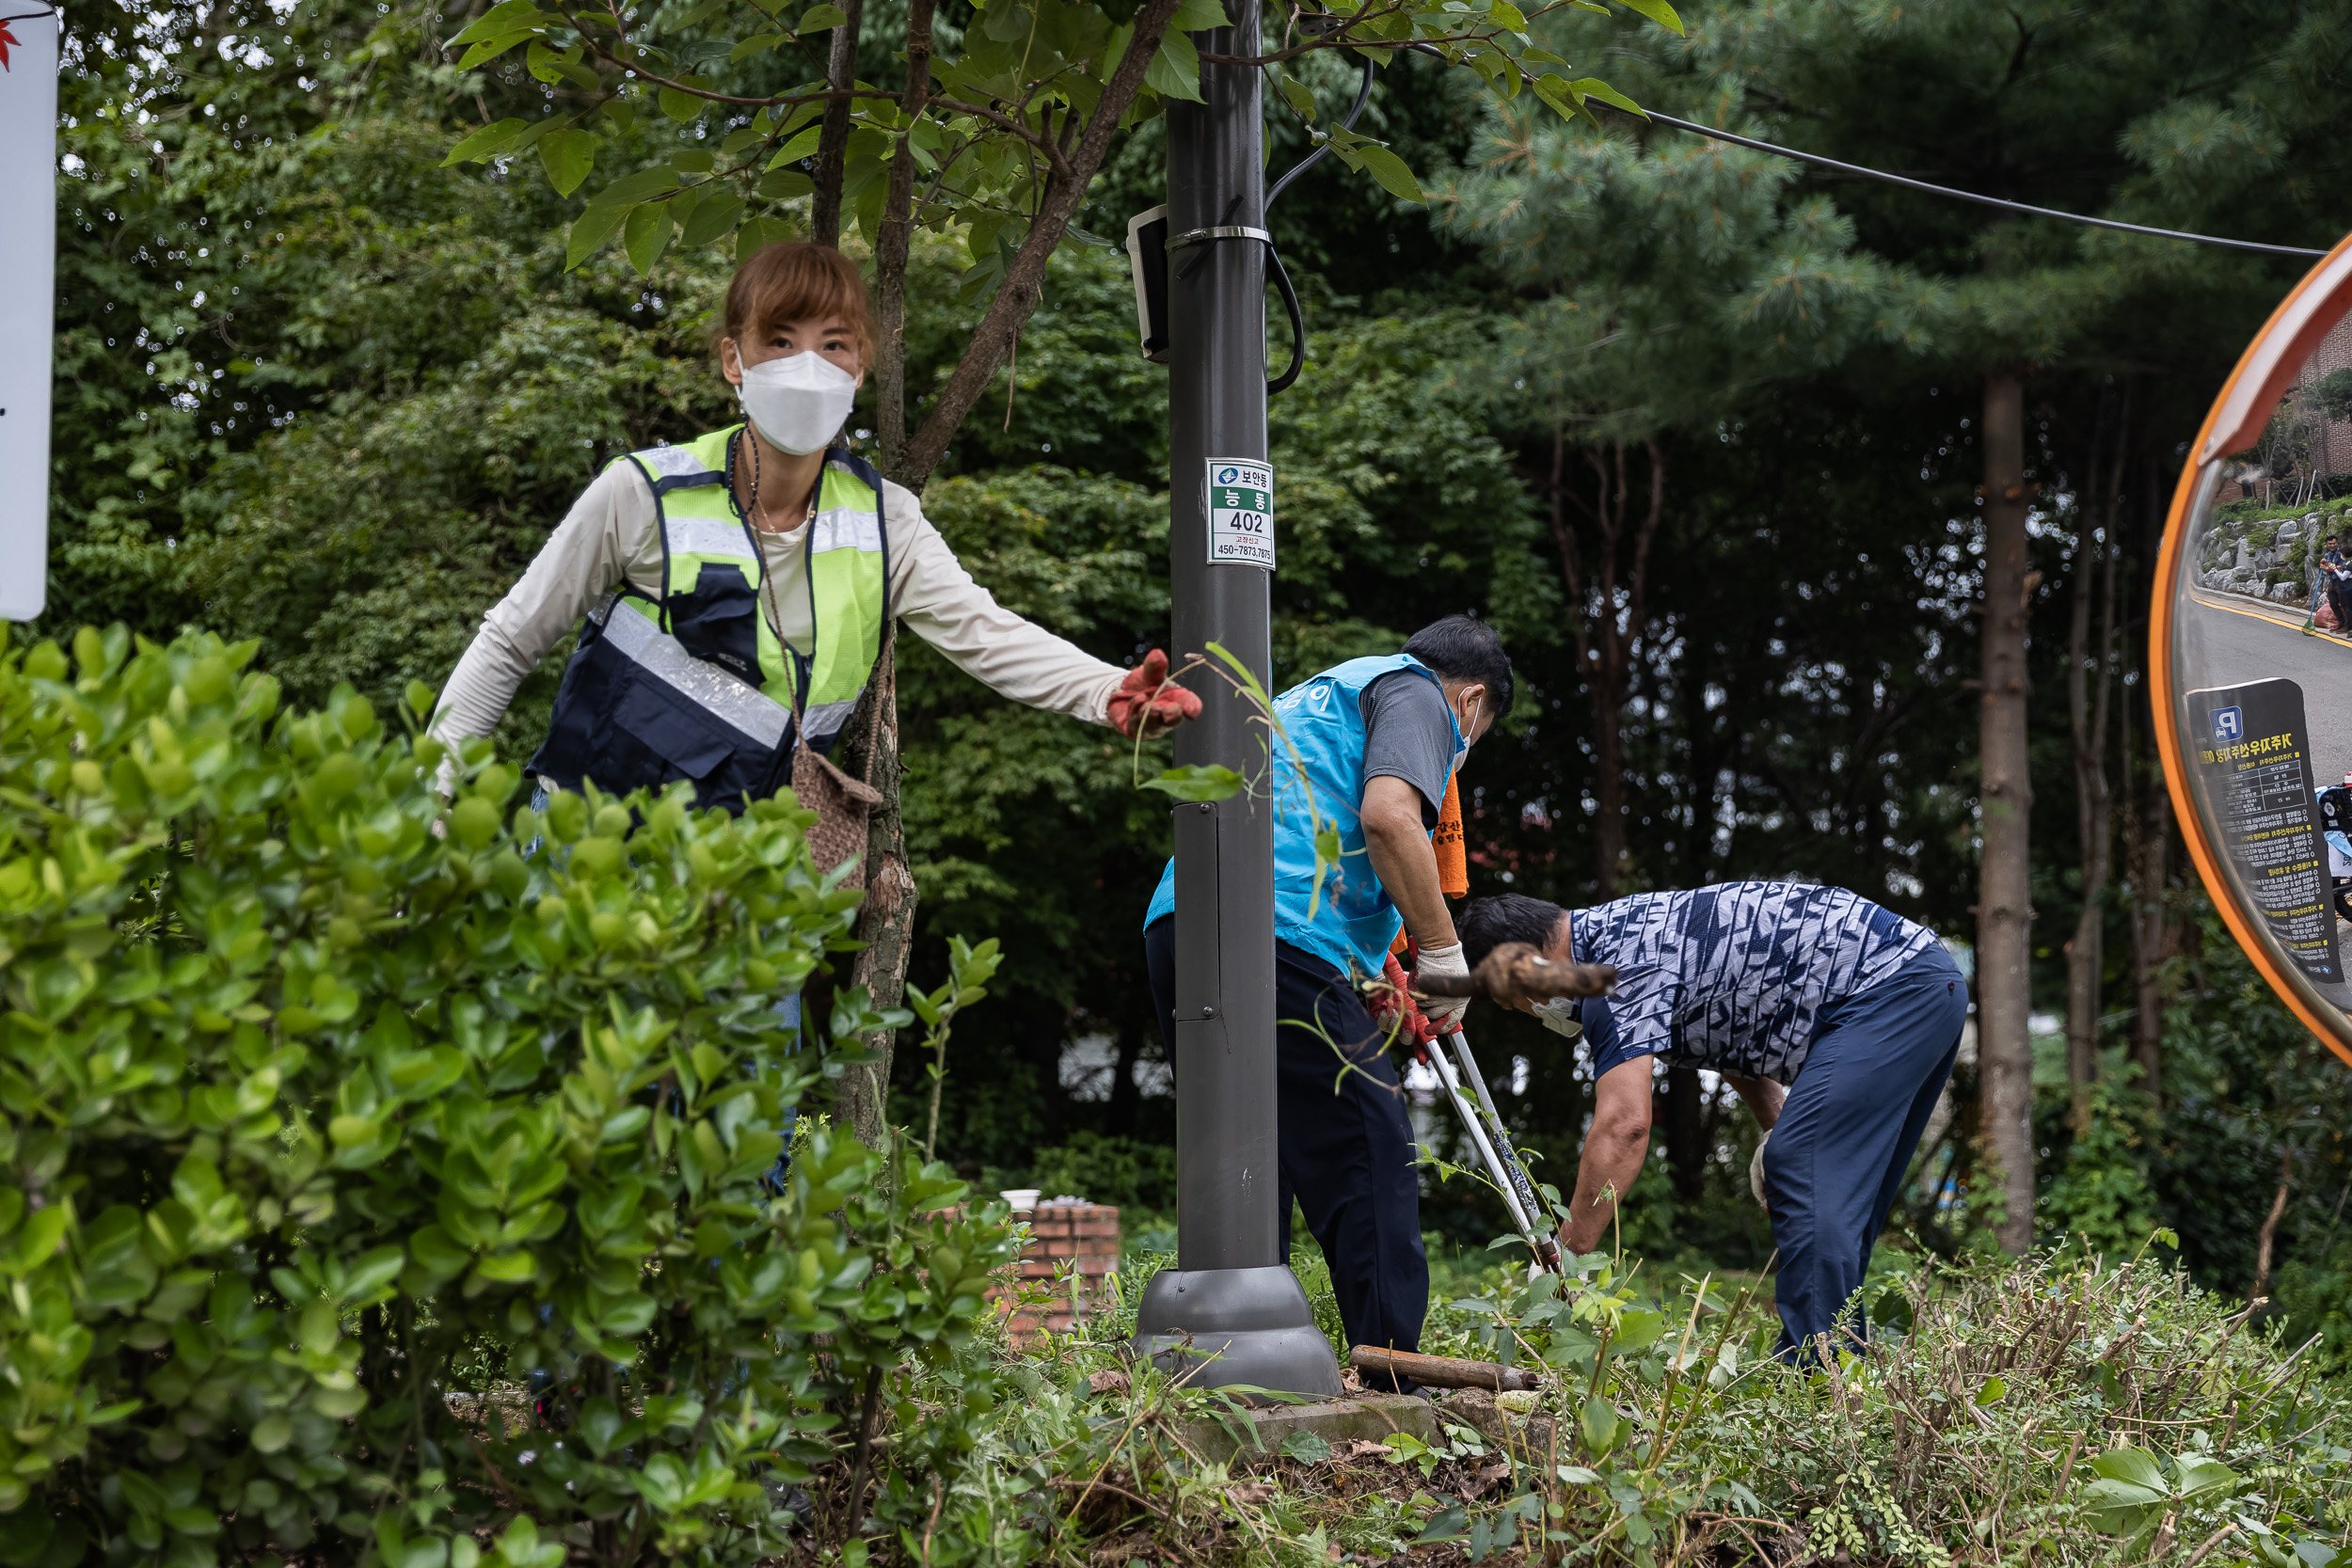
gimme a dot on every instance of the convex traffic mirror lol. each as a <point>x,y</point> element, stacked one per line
<point>2250,647</point>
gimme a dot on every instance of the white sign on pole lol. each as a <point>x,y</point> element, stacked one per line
<point>1240,512</point>
<point>28,272</point>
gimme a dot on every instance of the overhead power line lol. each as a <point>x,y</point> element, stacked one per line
<point>1882,176</point>
<point>1863,173</point>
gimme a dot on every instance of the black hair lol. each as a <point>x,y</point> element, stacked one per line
<point>1486,924</point>
<point>1461,648</point>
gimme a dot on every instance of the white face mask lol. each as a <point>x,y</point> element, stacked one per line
<point>799,402</point>
<point>1559,1015</point>
<point>1461,752</point>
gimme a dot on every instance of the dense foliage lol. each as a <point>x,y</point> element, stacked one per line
<point>315,391</point>
<point>334,1117</point>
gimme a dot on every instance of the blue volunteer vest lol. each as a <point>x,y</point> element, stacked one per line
<point>1354,920</point>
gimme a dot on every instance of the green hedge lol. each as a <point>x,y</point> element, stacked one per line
<point>319,1102</point>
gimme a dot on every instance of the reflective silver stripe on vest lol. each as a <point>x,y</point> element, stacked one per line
<point>705,685</point>
<point>676,466</point>
<point>708,536</point>
<point>826,719</point>
<point>846,527</point>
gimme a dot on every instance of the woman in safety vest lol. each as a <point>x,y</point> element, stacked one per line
<point>726,585</point>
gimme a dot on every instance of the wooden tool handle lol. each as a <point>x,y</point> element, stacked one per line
<point>1440,1371</point>
<point>1515,971</point>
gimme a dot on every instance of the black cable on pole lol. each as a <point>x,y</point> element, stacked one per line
<point>1364,95</point>
<point>1860,171</point>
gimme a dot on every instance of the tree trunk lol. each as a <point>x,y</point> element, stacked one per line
<point>832,144</point>
<point>2266,1243</point>
<point>1024,283</point>
<point>890,251</point>
<point>886,922</point>
<point>2149,840</point>
<point>2004,905</point>
<point>1686,1133</point>
<point>1611,607</point>
<point>2087,711</point>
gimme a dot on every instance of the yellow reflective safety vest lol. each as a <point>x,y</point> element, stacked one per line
<point>696,683</point>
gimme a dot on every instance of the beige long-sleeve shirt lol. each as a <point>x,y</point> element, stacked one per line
<point>612,533</point>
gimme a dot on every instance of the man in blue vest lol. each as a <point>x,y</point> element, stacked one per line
<point>1377,738</point>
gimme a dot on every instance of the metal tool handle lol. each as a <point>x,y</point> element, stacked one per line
<point>1522,1215</point>
<point>1513,1173</point>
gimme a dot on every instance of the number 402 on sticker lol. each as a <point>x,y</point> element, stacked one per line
<point>1240,512</point>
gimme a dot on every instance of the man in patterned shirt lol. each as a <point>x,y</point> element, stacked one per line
<point>1836,1021</point>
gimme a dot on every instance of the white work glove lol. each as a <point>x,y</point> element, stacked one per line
<point>1444,1011</point>
<point>1756,1172</point>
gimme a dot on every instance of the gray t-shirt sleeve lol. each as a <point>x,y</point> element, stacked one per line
<point>1409,734</point>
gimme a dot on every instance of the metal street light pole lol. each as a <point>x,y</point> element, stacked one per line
<point>1231,1296</point>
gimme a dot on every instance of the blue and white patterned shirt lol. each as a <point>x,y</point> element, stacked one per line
<point>1735,976</point>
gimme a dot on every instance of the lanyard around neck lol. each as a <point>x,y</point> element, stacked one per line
<point>801,669</point>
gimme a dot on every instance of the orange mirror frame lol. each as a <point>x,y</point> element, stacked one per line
<point>2239,415</point>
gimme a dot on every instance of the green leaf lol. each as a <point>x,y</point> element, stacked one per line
<point>758,43</point>
<point>1175,71</point>
<point>1389,169</point>
<point>821,19</point>
<point>2199,1474</point>
<point>1507,15</point>
<point>1892,1310</point>
<point>1296,92</point>
<point>1993,1391</point>
<point>1199,782</point>
<point>1195,15</point>
<point>477,148</point>
<point>594,228</point>
<point>684,107</point>
<point>2137,1466</point>
<point>1450,1525</point>
<point>1600,1425</point>
<point>1593,87</point>
<point>1306,1447</point>
<point>1563,96</point>
<point>567,156</point>
<point>758,234</point>
<point>509,16</point>
<point>1658,11</point>
<point>712,217</point>
<point>647,236</point>
<point>660,183</point>
<point>1637,1329</point>
<point>801,146</point>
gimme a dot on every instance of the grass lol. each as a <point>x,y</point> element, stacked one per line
<point>2052,1412</point>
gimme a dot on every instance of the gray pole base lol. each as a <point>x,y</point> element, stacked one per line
<point>1236,1326</point>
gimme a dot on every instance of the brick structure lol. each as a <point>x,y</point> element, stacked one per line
<point>1076,1239</point>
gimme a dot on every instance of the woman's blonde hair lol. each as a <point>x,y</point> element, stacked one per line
<point>797,280</point>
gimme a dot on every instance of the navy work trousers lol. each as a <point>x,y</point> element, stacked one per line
<point>1346,1140</point>
<point>1846,1132</point>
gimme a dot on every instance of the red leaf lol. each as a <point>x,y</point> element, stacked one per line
<point>7,39</point>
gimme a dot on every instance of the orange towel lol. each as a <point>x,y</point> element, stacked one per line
<point>1452,854</point>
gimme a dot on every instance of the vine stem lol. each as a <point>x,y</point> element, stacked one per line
<point>864,1446</point>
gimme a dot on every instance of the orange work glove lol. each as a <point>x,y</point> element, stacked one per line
<point>1146,698</point>
<point>1386,1005</point>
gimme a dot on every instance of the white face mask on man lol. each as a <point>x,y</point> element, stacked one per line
<point>1559,1014</point>
<point>798,402</point>
<point>1466,720</point>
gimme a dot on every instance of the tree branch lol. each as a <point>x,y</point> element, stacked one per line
<point>1017,296</point>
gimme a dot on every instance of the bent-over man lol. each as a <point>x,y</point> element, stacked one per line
<point>1836,1020</point>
